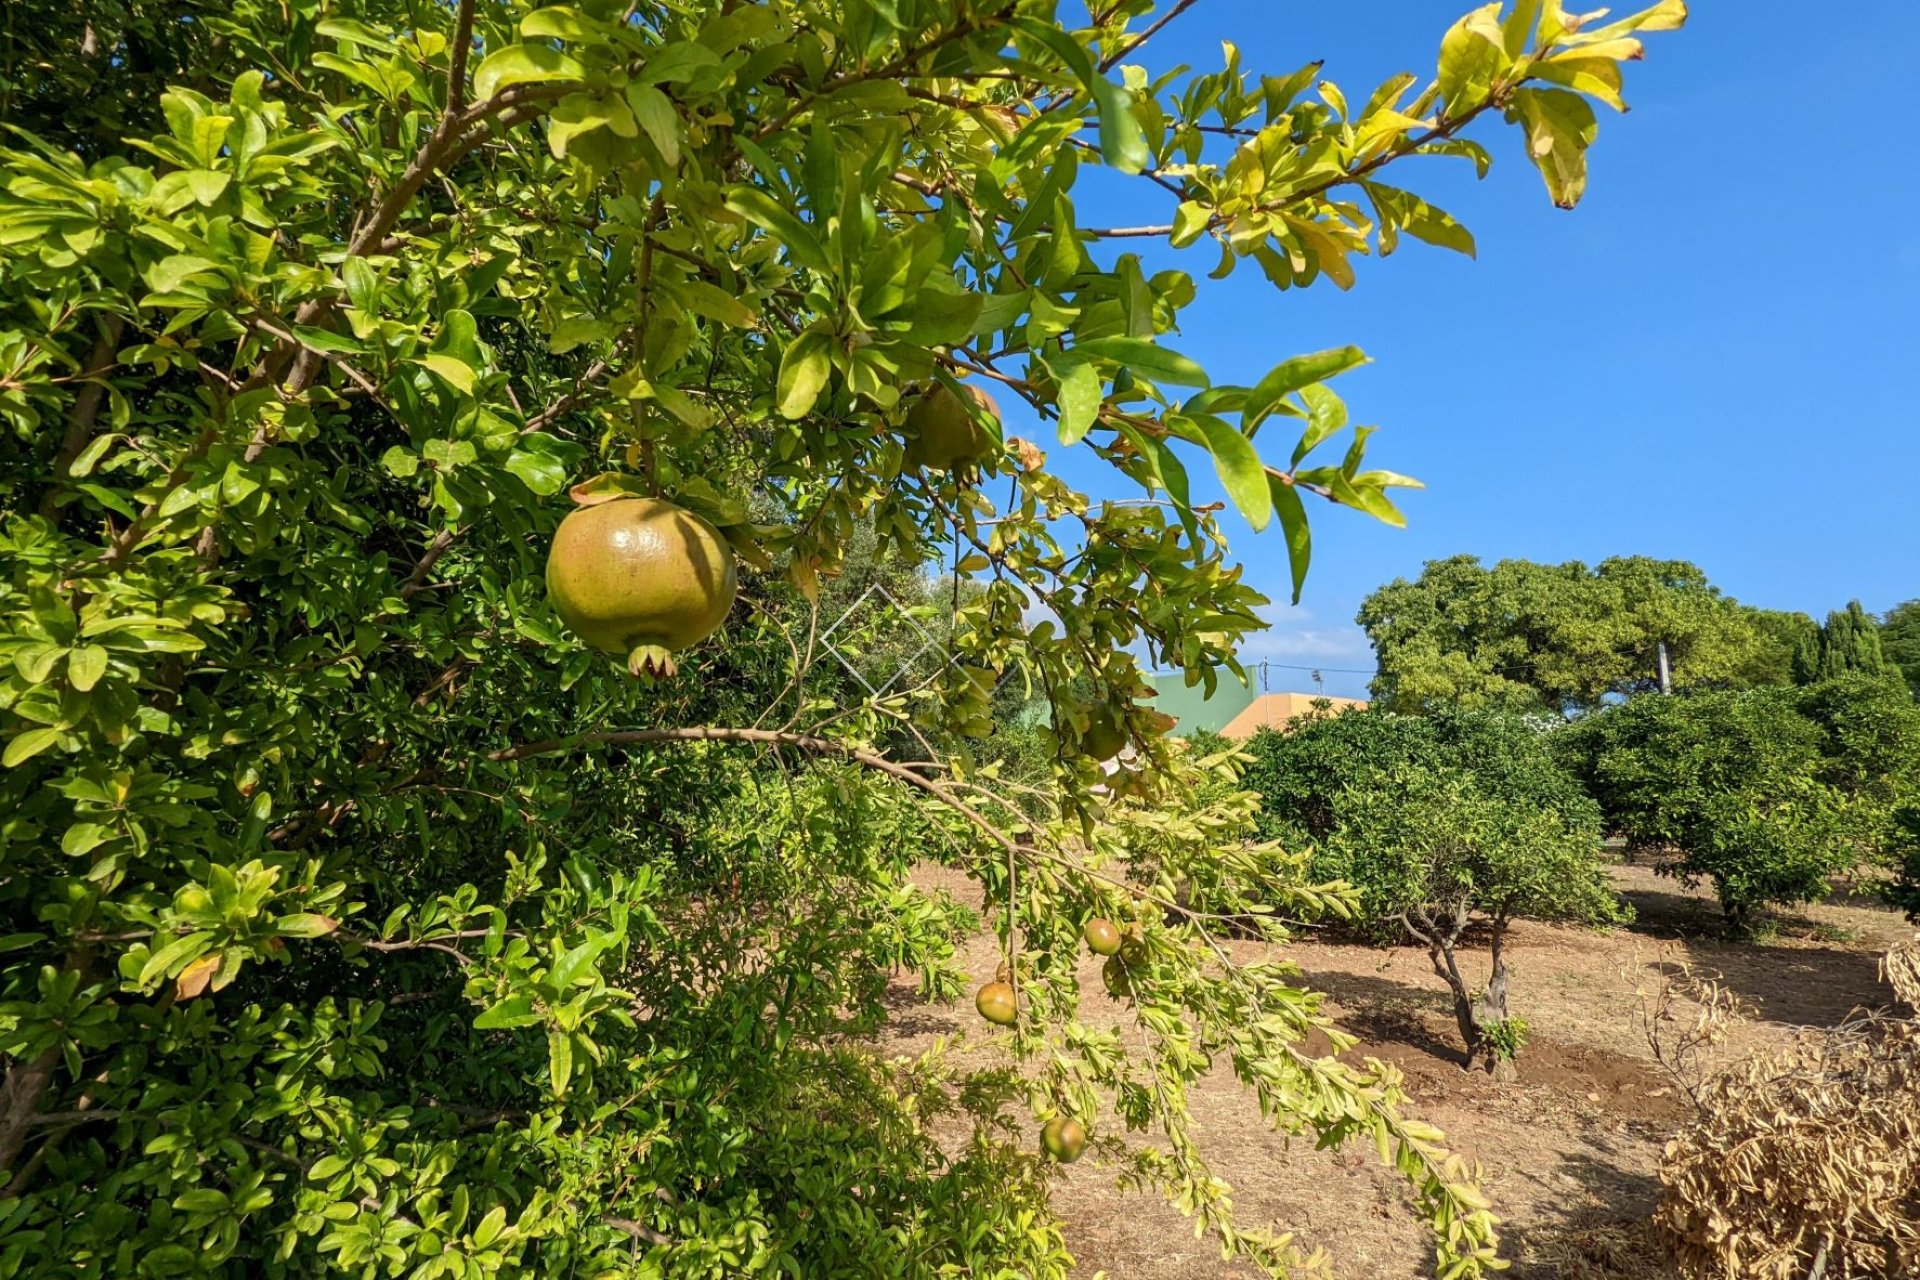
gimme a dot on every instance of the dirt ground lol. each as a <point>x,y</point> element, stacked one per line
<point>1570,1150</point>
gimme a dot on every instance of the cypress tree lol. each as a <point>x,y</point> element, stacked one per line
<point>1850,642</point>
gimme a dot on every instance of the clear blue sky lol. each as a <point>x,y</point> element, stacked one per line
<point>1713,358</point>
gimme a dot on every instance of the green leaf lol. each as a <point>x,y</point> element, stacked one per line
<point>1242,473</point>
<point>1472,53</point>
<point>576,331</point>
<point>1559,127</point>
<point>1190,222</point>
<point>1147,359</point>
<point>803,373</point>
<point>538,470</point>
<point>327,341</point>
<point>523,64</point>
<point>488,1229</point>
<point>1403,211</point>
<point>759,208</point>
<point>207,185</point>
<point>681,61</point>
<point>1518,27</point>
<point>457,373</point>
<point>90,456</point>
<point>1123,143</point>
<point>560,22</point>
<point>1293,374</point>
<point>515,1011</point>
<point>1326,414</point>
<point>1596,77</point>
<point>656,115</point>
<point>86,665</point>
<point>25,746</point>
<point>1079,400</point>
<point>201,1200</point>
<point>560,1060</point>
<point>1293,523</point>
<point>715,304</point>
<point>305,925</point>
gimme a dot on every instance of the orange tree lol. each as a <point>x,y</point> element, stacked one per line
<point>360,918</point>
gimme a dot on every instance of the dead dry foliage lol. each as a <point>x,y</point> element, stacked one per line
<point>1805,1162</point>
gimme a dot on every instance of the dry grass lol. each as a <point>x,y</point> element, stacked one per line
<point>1572,1148</point>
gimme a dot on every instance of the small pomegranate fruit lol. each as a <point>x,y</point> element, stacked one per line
<point>1114,974</point>
<point>1105,737</point>
<point>996,1004</point>
<point>1102,938</point>
<point>942,434</point>
<point>640,577</point>
<point>1063,1139</point>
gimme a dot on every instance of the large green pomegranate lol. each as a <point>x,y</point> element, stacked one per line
<point>942,433</point>
<point>640,577</point>
<point>996,1003</point>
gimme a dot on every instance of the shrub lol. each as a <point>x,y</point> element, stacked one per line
<point>1732,781</point>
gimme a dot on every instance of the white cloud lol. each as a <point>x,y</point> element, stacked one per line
<point>1295,635</point>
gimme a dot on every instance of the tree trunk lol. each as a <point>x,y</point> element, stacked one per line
<point>20,1102</point>
<point>1492,1005</point>
<point>1440,952</point>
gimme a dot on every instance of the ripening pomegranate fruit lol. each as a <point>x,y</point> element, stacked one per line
<point>996,1004</point>
<point>640,577</point>
<point>942,433</point>
<point>1102,938</point>
<point>1063,1139</point>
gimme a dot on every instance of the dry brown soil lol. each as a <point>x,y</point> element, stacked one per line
<point>1570,1150</point>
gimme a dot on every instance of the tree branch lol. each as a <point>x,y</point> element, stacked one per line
<point>457,58</point>
<point>86,407</point>
<point>1133,46</point>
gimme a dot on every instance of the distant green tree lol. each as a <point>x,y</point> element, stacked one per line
<point>1561,637</point>
<point>1900,641</point>
<point>1784,636</point>
<point>1849,643</point>
<point>1438,821</point>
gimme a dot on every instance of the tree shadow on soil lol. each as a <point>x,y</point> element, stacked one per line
<point>1382,1011</point>
<point>1594,1222</point>
<point>1786,983</point>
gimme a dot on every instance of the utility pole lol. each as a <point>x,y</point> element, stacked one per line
<point>1319,685</point>
<point>1666,674</point>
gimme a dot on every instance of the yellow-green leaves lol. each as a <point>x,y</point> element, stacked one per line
<point>761,209</point>
<point>1559,128</point>
<point>1146,359</point>
<point>1079,398</point>
<point>523,64</point>
<point>1241,472</point>
<point>1123,144</point>
<point>1293,374</point>
<point>1399,211</point>
<point>1472,56</point>
<point>803,372</point>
